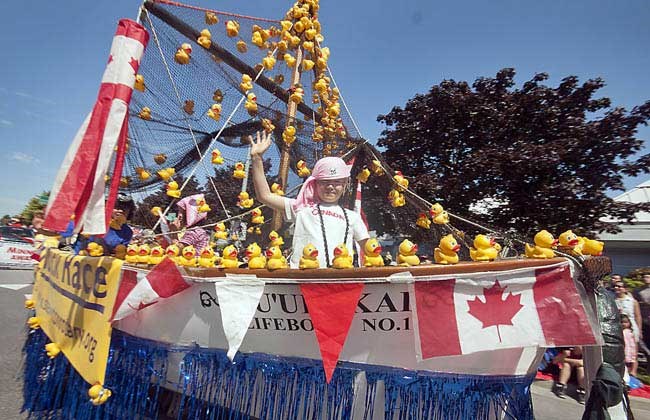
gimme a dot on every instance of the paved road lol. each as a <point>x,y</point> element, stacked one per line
<point>14,284</point>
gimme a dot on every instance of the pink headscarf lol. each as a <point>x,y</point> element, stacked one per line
<point>326,168</point>
<point>189,204</point>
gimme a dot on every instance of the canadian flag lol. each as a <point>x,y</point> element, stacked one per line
<point>139,289</point>
<point>491,311</point>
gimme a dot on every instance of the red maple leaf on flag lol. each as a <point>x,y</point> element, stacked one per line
<point>496,310</point>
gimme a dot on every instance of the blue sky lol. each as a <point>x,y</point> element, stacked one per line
<point>383,53</point>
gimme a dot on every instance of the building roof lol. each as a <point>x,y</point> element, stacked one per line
<point>640,231</point>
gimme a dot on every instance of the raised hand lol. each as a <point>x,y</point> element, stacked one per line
<point>261,144</point>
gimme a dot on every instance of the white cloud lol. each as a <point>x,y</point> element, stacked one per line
<point>5,123</point>
<point>40,100</point>
<point>23,157</point>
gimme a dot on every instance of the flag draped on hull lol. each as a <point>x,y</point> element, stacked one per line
<point>80,185</point>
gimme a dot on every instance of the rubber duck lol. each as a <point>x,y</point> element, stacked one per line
<point>217,159</point>
<point>205,39</point>
<point>307,64</point>
<point>438,214</point>
<point>376,168</point>
<point>211,18</point>
<point>217,96</point>
<point>342,257</point>
<point>277,189</point>
<point>166,173</point>
<point>156,255</point>
<point>256,260</point>
<point>257,39</point>
<point>571,243</point>
<point>311,33</point>
<point>309,258</point>
<point>132,252</point>
<point>206,258</point>
<point>52,350</point>
<point>303,170</point>
<point>290,60</point>
<point>94,249</point>
<point>406,255</point>
<point>308,46</point>
<point>363,175</point>
<point>143,254</point>
<point>294,41</point>
<point>214,112</point>
<point>372,253</point>
<point>98,394</point>
<point>202,206</point>
<point>145,113</point>
<point>172,189</point>
<point>251,104</point>
<point>276,239</point>
<point>188,257</point>
<point>220,231</point>
<point>257,217</point>
<point>321,85</point>
<point>275,260</point>
<point>244,201</point>
<point>30,304</point>
<point>143,174</point>
<point>267,125</point>
<point>34,322</point>
<point>172,252</point>
<point>232,28</point>
<point>484,249</point>
<point>239,172</point>
<point>285,25</point>
<point>139,83</point>
<point>446,252</point>
<point>229,257</point>
<point>160,158</point>
<point>423,221</point>
<point>543,248</point>
<point>183,54</point>
<point>269,61</point>
<point>246,83</point>
<point>296,95</point>
<point>592,247</point>
<point>401,181</point>
<point>156,211</point>
<point>396,198</point>
<point>289,134</point>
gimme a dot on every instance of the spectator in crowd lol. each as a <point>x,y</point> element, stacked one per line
<point>627,305</point>
<point>37,221</point>
<point>613,279</point>
<point>642,296</point>
<point>570,361</point>
<point>630,345</point>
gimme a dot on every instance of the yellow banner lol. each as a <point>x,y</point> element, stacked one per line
<point>74,302</point>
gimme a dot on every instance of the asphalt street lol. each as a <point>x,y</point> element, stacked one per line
<point>14,284</point>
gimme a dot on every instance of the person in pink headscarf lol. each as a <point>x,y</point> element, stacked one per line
<point>188,215</point>
<point>319,218</point>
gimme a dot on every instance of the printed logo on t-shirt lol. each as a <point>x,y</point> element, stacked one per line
<point>326,212</point>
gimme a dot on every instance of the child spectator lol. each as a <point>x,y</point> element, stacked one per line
<point>630,345</point>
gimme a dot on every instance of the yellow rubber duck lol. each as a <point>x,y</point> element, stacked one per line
<point>52,350</point>
<point>30,304</point>
<point>217,159</point>
<point>342,257</point>
<point>276,239</point>
<point>257,218</point>
<point>143,174</point>
<point>290,60</point>
<point>372,253</point>
<point>543,248</point>
<point>202,206</point>
<point>571,243</point>
<point>214,112</point>
<point>376,168</point>
<point>98,394</point>
<point>239,172</point>
<point>307,64</point>
<point>309,258</point>
<point>274,258</point>
<point>188,257</point>
<point>269,61</point>
<point>94,249</point>
<point>166,173</point>
<point>267,125</point>
<point>257,39</point>
<point>303,170</point>
<point>160,158</point>
<point>246,83</point>
<point>446,252</point>
<point>320,85</point>
<point>207,258</point>
<point>401,181</point>
<point>289,134</point>
<point>205,39</point>
<point>156,255</point>
<point>232,28</point>
<point>308,46</point>
<point>363,175</point>
<point>311,33</point>
<point>396,198</point>
<point>139,83</point>
<point>484,249</point>
<point>251,104</point>
<point>143,254</point>
<point>423,221</point>
<point>132,252</point>
<point>220,231</point>
<point>172,189</point>
<point>34,322</point>
<point>145,113</point>
<point>256,260</point>
<point>244,201</point>
<point>297,94</point>
<point>438,214</point>
<point>406,255</point>
<point>277,189</point>
<point>183,54</point>
<point>241,46</point>
<point>172,252</point>
<point>229,257</point>
<point>592,247</point>
<point>211,18</point>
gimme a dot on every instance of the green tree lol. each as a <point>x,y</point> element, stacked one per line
<point>539,156</point>
<point>35,204</point>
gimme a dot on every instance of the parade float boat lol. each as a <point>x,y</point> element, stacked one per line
<point>149,336</point>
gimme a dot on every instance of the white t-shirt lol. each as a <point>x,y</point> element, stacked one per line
<point>308,229</point>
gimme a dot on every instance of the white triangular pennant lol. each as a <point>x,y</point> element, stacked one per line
<point>238,299</point>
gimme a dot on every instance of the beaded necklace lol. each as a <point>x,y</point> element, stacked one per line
<point>322,227</point>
